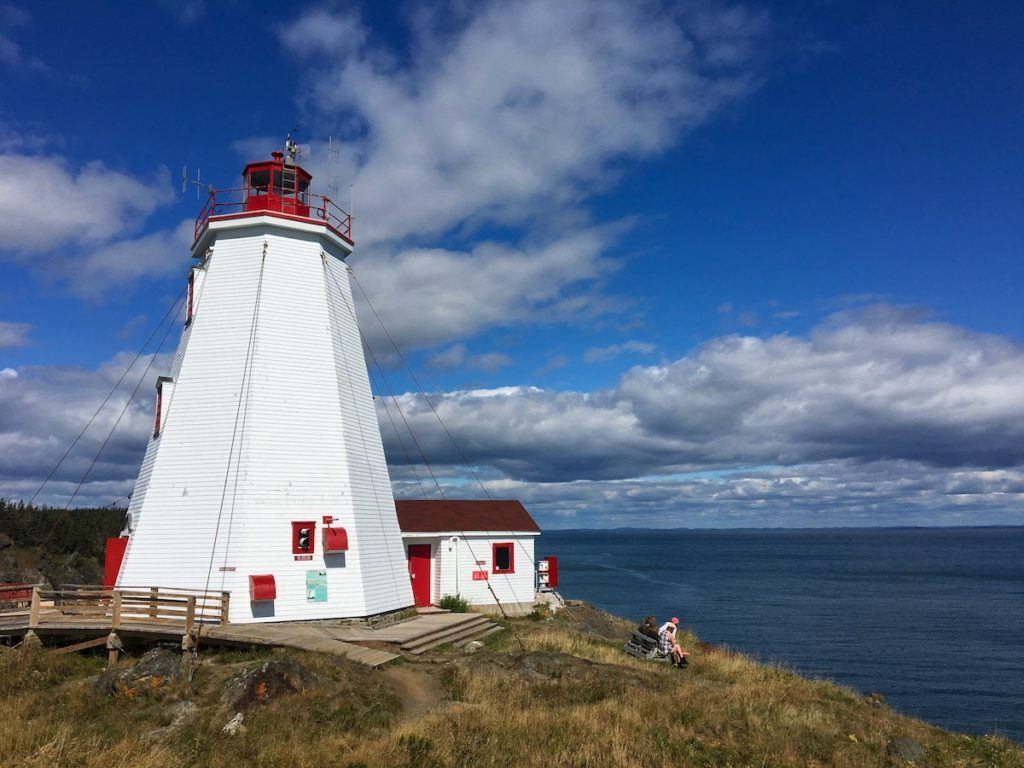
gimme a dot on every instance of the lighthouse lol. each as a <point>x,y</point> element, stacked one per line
<point>265,474</point>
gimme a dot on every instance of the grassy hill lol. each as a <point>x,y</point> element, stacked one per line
<point>572,699</point>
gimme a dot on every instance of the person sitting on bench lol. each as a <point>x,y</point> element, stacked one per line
<point>667,645</point>
<point>649,628</point>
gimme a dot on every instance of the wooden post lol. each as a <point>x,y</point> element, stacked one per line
<point>190,615</point>
<point>225,605</point>
<point>153,593</point>
<point>113,641</point>
<point>115,619</point>
<point>31,638</point>
<point>33,616</point>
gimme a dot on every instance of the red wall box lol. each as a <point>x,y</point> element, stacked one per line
<point>335,539</point>
<point>262,587</point>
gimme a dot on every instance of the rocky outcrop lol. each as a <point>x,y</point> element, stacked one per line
<point>157,668</point>
<point>266,681</point>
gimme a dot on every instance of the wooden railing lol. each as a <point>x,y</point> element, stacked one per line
<point>180,608</point>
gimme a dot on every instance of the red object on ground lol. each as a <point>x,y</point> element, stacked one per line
<point>335,540</point>
<point>552,571</point>
<point>262,587</point>
<point>419,573</point>
<point>113,554</point>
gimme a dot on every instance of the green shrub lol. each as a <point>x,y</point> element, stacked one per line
<point>454,603</point>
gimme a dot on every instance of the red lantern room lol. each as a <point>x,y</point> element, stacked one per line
<point>276,185</point>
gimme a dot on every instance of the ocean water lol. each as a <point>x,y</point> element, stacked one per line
<point>933,619</point>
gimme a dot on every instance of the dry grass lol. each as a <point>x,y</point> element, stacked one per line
<point>726,710</point>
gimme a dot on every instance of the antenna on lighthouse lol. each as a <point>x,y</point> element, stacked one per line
<point>332,180</point>
<point>197,181</point>
<point>294,151</point>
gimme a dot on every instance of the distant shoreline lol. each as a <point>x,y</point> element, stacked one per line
<point>632,529</point>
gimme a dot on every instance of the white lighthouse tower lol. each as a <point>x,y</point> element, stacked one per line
<point>265,475</point>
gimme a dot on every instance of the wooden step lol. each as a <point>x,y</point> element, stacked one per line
<point>454,624</point>
<point>467,633</point>
<point>371,657</point>
<point>456,630</point>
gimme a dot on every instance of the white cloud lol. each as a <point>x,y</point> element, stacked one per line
<point>519,110</point>
<point>875,417</point>
<point>13,334</point>
<point>872,386</point>
<point>8,373</point>
<point>87,205</point>
<point>431,295</point>
<point>597,354</point>
<point>457,356</point>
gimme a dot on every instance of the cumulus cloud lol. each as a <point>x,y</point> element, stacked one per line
<point>85,205</point>
<point>457,356</point>
<point>462,131</point>
<point>517,109</point>
<point>42,409</point>
<point>598,354</point>
<point>431,295</point>
<point>13,334</point>
<point>869,386</point>
<point>877,416</point>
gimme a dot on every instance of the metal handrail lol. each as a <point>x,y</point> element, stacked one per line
<point>226,202</point>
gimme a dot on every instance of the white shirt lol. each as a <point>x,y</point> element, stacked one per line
<point>667,625</point>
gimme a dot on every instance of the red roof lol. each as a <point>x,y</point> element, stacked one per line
<point>433,515</point>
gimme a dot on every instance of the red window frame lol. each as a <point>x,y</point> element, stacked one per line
<point>191,289</point>
<point>159,408</point>
<point>296,527</point>
<point>511,557</point>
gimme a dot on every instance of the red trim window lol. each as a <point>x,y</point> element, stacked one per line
<point>303,537</point>
<point>159,408</point>
<point>503,558</point>
<point>191,295</point>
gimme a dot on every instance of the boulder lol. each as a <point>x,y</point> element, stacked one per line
<point>156,668</point>
<point>472,646</point>
<point>267,680</point>
<point>5,541</point>
<point>234,725</point>
<point>904,750</point>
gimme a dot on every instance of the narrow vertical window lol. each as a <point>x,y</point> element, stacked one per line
<point>159,409</point>
<point>191,296</point>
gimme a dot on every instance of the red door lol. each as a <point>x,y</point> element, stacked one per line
<point>419,573</point>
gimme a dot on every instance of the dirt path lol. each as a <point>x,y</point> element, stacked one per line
<point>417,687</point>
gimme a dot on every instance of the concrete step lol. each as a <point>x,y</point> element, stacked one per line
<point>470,632</point>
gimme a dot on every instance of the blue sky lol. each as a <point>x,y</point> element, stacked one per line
<point>582,211</point>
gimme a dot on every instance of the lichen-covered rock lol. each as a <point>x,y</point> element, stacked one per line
<point>156,668</point>
<point>266,681</point>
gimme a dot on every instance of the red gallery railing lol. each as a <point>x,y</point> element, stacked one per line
<point>241,202</point>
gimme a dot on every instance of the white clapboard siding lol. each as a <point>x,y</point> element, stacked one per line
<point>452,567</point>
<point>238,461</point>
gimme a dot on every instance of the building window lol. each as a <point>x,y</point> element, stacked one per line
<point>303,540</point>
<point>191,296</point>
<point>503,559</point>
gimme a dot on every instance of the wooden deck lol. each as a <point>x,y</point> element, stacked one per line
<point>90,614</point>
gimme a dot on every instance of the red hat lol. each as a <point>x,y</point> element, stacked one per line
<point>675,620</point>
